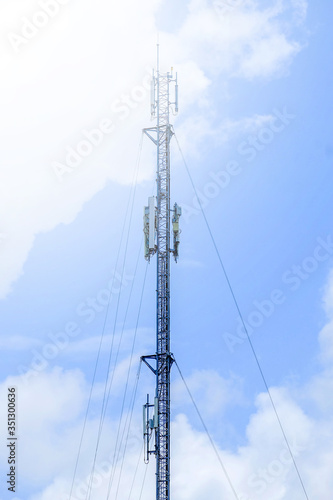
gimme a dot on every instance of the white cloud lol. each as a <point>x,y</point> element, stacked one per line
<point>229,129</point>
<point>245,41</point>
<point>122,341</point>
<point>328,296</point>
<point>326,342</point>
<point>261,468</point>
<point>50,417</point>
<point>318,389</point>
<point>47,403</point>
<point>62,84</point>
<point>17,343</point>
<point>301,8</point>
<point>321,385</point>
<point>213,392</point>
<point>269,56</point>
<point>199,132</point>
<point>52,406</point>
<point>326,334</point>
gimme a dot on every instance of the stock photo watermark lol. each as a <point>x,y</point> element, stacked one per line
<point>11,444</point>
<point>75,155</point>
<point>247,149</point>
<point>101,474</point>
<point>275,470</point>
<point>92,139</point>
<point>57,342</point>
<point>31,26</point>
<point>292,278</point>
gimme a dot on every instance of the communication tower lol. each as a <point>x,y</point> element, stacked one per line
<point>157,231</point>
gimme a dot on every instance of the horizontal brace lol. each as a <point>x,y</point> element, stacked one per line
<point>153,356</point>
<point>146,130</point>
<point>169,356</point>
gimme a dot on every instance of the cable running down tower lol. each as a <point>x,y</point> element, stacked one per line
<point>157,231</point>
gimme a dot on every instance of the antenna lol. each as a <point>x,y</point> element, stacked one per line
<point>157,231</point>
<point>152,97</point>
<point>158,54</point>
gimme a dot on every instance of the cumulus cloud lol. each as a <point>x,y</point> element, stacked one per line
<point>262,468</point>
<point>214,392</point>
<point>243,40</point>
<point>53,404</point>
<point>51,413</point>
<point>60,86</point>
<point>64,82</point>
<point>17,343</point>
<point>326,334</point>
<point>44,407</point>
<point>198,132</point>
<point>300,9</point>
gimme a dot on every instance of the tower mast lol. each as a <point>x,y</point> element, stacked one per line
<point>157,230</point>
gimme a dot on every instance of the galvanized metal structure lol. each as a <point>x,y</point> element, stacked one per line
<point>157,230</point>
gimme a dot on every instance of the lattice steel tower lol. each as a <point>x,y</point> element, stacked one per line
<point>157,230</point>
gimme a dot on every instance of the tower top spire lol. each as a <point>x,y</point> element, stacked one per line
<point>157,53</point>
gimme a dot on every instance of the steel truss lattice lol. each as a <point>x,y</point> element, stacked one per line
<point>161,135</point>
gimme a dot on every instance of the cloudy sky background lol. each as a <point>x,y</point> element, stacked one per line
<point>254,126</point>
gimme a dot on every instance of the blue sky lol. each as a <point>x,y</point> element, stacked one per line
<point>255,128</point>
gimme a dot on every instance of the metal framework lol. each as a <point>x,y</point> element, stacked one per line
<point>158,220</point>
